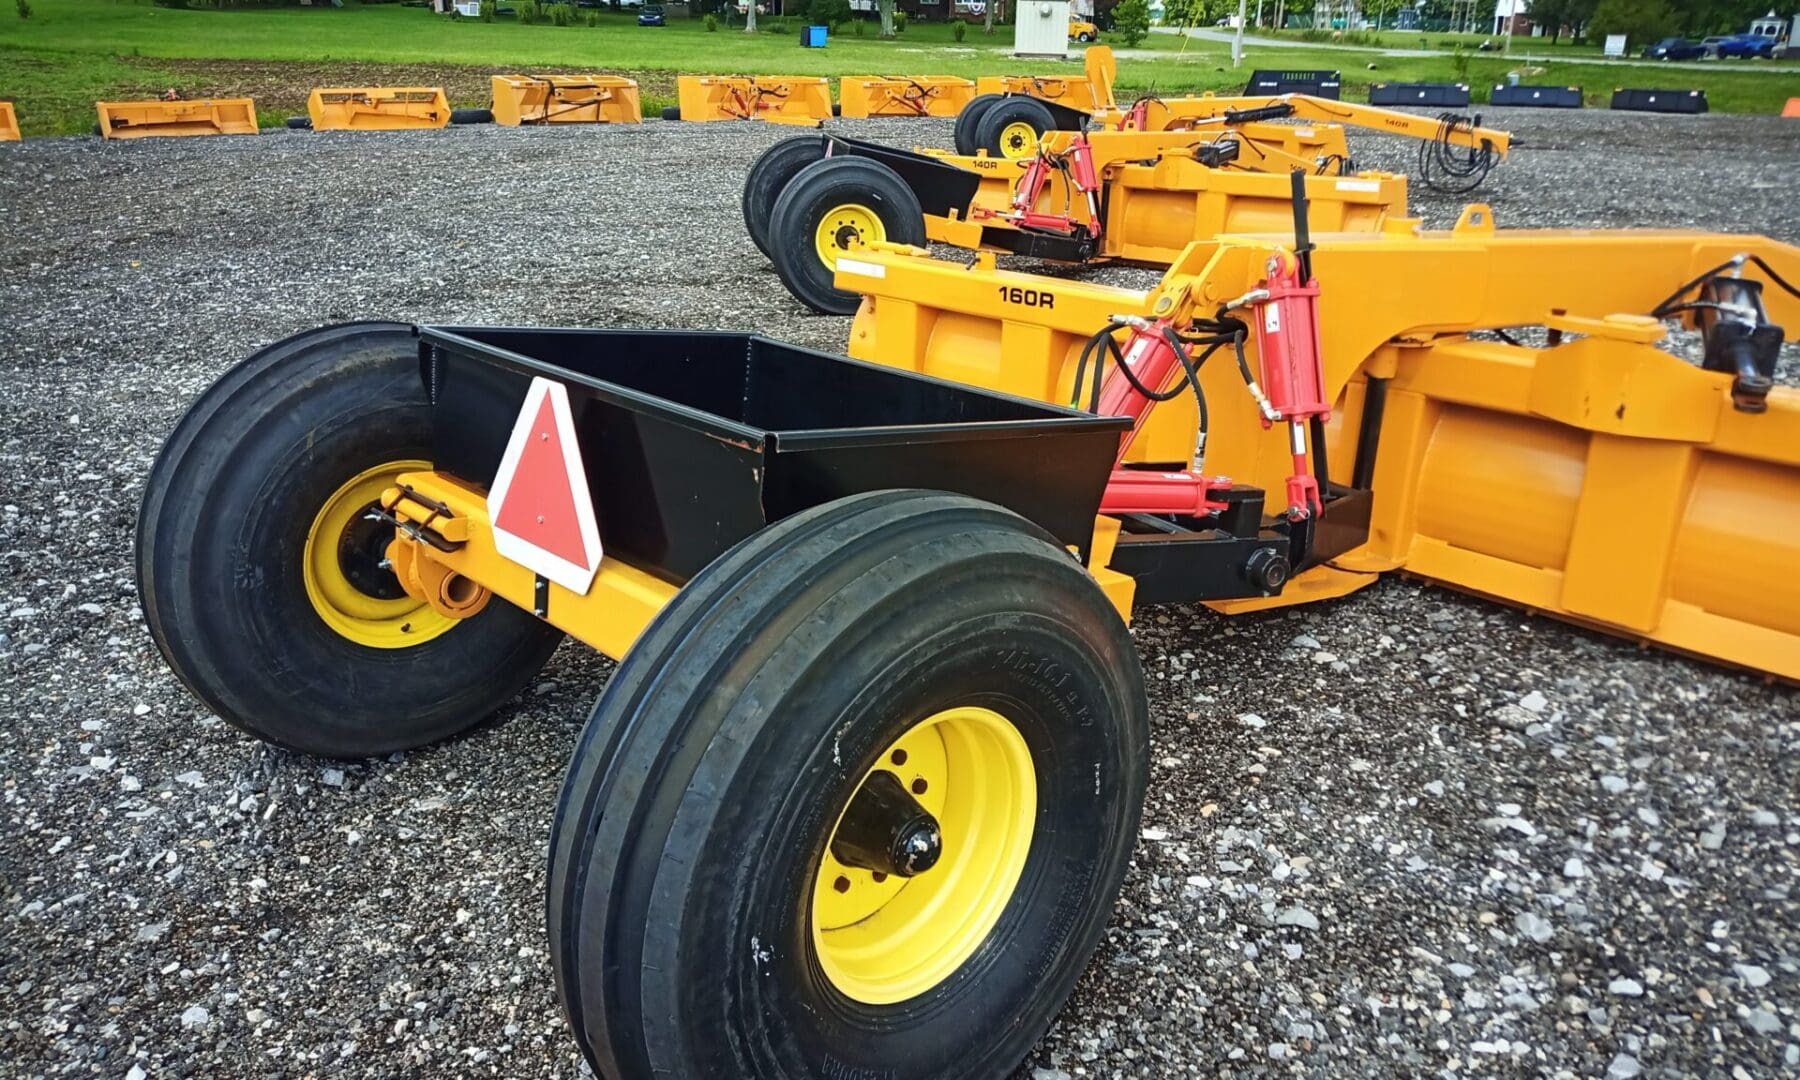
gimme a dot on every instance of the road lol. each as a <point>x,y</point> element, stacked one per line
<point>1522,53</point>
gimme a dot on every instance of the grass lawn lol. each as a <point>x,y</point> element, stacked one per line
<point>71,53</point>
<point>1433,39</point>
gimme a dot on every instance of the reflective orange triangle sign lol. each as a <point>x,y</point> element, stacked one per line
<point>540,506</point>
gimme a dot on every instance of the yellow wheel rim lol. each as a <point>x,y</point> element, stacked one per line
<point>844,227</point>
<point>883,938</point>
<point>1018,140</point>
<point>353,613</point>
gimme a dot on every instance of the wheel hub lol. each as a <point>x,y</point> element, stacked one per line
<point>344,568</point>
<point>885,831</point>
<point>362,556</point>
<point>844,228</point>
<point>924,856</point>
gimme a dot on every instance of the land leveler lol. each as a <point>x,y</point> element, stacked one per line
<point>1595,477</point>
<point>1136,195</point>
<point>861,791</point>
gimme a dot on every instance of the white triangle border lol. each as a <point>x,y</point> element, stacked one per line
<point>571,576</point>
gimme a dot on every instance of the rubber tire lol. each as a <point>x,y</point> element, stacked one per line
<point>777,166</point>
<point>471,116</point>
<point>700,791</point>
<point>225,513</point>
<point>815,190</point>
<point>1086,39</point>
<point>299,123</point>
<point>963,132</point>
<point>671,112</point>
<point>1015,108</point>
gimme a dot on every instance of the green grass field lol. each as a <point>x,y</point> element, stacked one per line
<point>70,53</point>
<point>1443,41</point>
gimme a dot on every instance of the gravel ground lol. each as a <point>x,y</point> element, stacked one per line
<point>1404,833</point>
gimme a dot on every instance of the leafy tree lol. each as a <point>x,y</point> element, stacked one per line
<point>1381,12</point>
<point>1641,21</point>
<point>1557,15</point>
<point>832,13</point>
<point>1131,21</point>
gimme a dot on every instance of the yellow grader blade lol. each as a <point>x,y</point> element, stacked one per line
<point>378,108</point>
<point>865,96</point>
<point>1597,478</point>
<point>1090,92</point>
<point>566,99</point>
<point>781,99</point>
<point>210,116</point>
<point>9,123</point>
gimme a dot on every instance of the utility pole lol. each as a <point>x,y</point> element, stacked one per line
<point>1237,39</point>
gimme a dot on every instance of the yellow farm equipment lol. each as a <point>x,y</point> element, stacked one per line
<point>1133,196</point>
<point>565,99</point>
<point>1594,476</point>
<point>859,795</point>
<point>377,108</point>
<point>866,96</point>
<point>206,116</point>
<point>1090,91</point>
<point>781,99</point>
<point>9,123</point>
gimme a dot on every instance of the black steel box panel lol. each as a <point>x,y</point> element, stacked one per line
<point>1661,101</point>
<point>1538,97</point>
<point>693,441</point>
<point>1443,95</point>
<point>1265,83</point>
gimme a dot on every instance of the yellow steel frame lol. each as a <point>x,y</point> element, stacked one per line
<point>1090,92</point>
<point>1159,199</point>
<point>779,99</point>
<point>9,123</point>
<point>378,108</point>
<point>609,616</point>
<point>565,99</point>
<point>1601,480</point>
<point>865,96</point>
<point>616,607</point>
<point>209,116</point>
<point>1184,113</point>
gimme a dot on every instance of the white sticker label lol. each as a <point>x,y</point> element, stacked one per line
<point>1271,318</point>
<point>857,266</point>
<point>1358,185</point>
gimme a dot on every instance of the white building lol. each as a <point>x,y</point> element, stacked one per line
<point>1505,11</point>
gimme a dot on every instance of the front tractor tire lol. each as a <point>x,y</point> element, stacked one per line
<point>263,579</point>
<point>828,210</point>
<point>858,803</point>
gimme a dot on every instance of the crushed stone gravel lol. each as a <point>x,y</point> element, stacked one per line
<point>1404,833</point>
